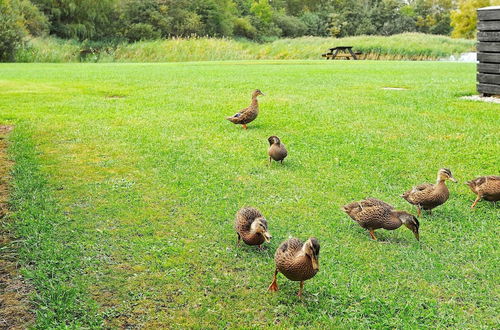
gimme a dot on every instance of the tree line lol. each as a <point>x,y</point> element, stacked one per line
<point>259,20</point>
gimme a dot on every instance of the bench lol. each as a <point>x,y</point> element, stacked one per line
<point>342,52</point>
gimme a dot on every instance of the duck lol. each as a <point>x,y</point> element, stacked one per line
<point>428,196</point>
<point>277,150</point>
<point>297,261</point>
<point>251,227</point>
<point>486,187</point>
<point>372,213</point>
<point>248,114</point>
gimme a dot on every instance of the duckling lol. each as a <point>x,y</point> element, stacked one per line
<point>487,187</point>
<point>297,261</point>
<point>248,114</point>
<point>251,226</point>
<point>277,150</point>
<point>427,196</point>
<point>373,213</point>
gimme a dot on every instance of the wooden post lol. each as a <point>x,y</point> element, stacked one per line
<point>488,51</point>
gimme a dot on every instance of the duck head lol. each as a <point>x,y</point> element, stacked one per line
<point>410,222</point>
<point>274,140</point>
<point>445,174</point>
<point>256,93</point>
<point>311,249</point>
<point>259,226</point>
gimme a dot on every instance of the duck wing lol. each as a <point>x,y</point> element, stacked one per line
<point>373,213</point>
<point>288,249</point>
<point>416,194</point>
<point>245,217</point>
<point>240,116</point>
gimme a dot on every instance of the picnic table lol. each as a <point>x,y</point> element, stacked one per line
<point>341,52</point>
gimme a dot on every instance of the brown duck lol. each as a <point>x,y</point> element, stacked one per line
<point>297,261</point>
<point>248,114</point>
<point>277,150</point>
<point>251,226</point>
<point>427,196</point>
<point>373,213</point>
<point>485,187</point>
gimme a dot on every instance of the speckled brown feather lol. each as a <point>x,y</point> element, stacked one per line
<point>248,114</point>
<point>373,213</point>
<point>291,262</point>
<point>244,219</point>
<point>427,195</point>
<point>277,150</point>
<point>486,187</point>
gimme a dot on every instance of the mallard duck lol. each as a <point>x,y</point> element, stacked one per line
<point>248,114</point>
<point>427,196</point>
<point>277,150</point>
<point>251,226</point>
<point>297,261</point>
<point>486,187</point>
<point>373,213</point>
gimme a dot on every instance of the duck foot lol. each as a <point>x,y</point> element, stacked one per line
<point>244,126</point>
<point>300,289</point>
<point>475,202</point>
<point>274,285</point>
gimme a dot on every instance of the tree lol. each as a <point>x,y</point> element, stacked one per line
<point>79,19</point>
<point>11,30</point>
<point>464,19</point>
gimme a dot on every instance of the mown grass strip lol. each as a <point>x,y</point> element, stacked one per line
<point>48,250</point>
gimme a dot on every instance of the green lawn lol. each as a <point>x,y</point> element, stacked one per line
<point>128,178</point>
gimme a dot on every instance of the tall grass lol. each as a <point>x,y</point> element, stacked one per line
<point>406,46</point>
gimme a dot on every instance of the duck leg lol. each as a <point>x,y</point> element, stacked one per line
<point>244,126</point>
<point>419,210</point>
<point>274,284</point>
<point>300,289</point>
<point>475,202</point>
<point>270,160</point>
<point>239,239</point>
<point>372,234</point>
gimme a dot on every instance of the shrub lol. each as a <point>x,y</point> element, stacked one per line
<point>35,22</point>
<point>11,30</point>
<point>243,28</point>
<point>142,31</point>
<point>290,26</point>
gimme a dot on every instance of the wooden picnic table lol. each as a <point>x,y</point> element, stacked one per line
<point>341,52</point>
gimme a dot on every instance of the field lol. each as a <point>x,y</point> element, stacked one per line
<point>406,46</point>
<point>127,178</point>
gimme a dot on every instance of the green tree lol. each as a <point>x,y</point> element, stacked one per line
<point>79,19</point>
<point>464,19</point>
<point>216,16</point>
<point>12,30</point>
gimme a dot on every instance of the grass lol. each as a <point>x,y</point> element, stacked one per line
<point>406,46</point>
<point>143,177</point>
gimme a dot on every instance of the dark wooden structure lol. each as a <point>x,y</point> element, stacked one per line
<point>488,51</point>
<point>342,52</point>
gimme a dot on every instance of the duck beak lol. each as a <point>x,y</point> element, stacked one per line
<point>267,237</point>
<point>417,236</point>
<point>315,263</point>
<point>453,179</point>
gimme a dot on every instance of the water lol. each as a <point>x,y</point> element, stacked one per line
<point>470,57</point>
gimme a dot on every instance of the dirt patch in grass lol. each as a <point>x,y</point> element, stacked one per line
<point>115,96</point>
<point>14,291</point>
<point>394,88</point>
